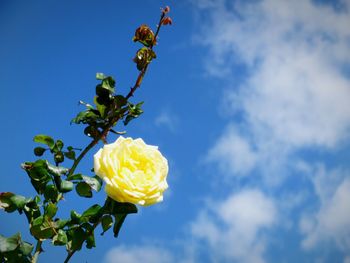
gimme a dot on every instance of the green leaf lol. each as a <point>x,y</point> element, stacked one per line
<point>76,177</point>
<point>66,186</point>
<point>85,117</point>
<point>14,250</point>
<point>39,151</point>
<point>90,240</point>
<point>83,189</point>
<point>70,155</point>
<point>100,76</point>
<point>10,243</point>
<point>134,112</point>
<point>106,222</point>
<point>119,220</point>
<point>51,210</point>
<point>76,236</point>
<point>75,217</point>
<point>51,193</point>
<point>60,239</point>
<point>41,229</point>
<point>56,170</point>
<point>92,211</point>
<point>38,172</point>
<point>113,207</point>
<point>11,202</point>
<point>44,139</point>
<point>128,119</point>
<point>108,83</point>
<point>58,146</point>
<point>94,182</point>
<point>6,203</point>
<point>38,221</point>
<point>100,107</point>
<point>26,248</point>
<point>32,210</point>
<point>124,208</point>
<point>58,223</point>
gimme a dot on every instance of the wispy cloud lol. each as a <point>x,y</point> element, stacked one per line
<point>331,221</point>
<point>168,120</point>
<point>233,153</point>
<point>137,254</point>
<point>233,229</point>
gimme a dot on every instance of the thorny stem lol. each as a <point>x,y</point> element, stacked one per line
<point>105,131</point>
<point>113,121</point>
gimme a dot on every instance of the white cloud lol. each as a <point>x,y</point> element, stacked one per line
<point>234,154</point>
<point>168,120</point>
<point>234,228</point>
<point>295,95</point>
<point>137,254</point>
<point>331,222</point>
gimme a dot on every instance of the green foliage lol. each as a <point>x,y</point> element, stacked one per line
<point>39,151</point>
<point>83,189</point>
<point>143,57</point>
<point>134,111</point>
<point>44,139</point>
<point>13,249</point>
<point>106,222</point>
<point>60,239</point>
<point>11,202</point>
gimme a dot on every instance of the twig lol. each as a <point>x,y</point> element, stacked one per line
<point>143,71</point>
<point>38,250</point>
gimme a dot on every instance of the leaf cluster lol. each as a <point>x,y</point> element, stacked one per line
<point>13,249</point>
<point>107,110</point>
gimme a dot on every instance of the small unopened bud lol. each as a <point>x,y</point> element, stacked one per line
<point>166,10</point>
<point>167,21</point>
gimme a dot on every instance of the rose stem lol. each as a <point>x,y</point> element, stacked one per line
<point>113,121</point>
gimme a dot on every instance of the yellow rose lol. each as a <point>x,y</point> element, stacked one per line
<point>133,171</point>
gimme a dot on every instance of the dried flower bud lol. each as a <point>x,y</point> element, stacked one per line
<point>144,35</point>
<point>167,21</point>
<point>166,10</point>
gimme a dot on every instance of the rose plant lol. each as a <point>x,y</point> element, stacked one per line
<point>134,172</point>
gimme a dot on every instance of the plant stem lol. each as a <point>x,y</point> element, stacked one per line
<point>143,71</point>
<point>70,254</point>
<point>82,154</point>
<point>38,250</point>
<point>105,131</point>
<point>114,120</point>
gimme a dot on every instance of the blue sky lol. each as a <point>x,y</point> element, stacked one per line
<point>248,100</point>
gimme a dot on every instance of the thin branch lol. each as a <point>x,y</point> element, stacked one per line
<point>143,71</point>
<point>114,120</point>
<point>38,250</point>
